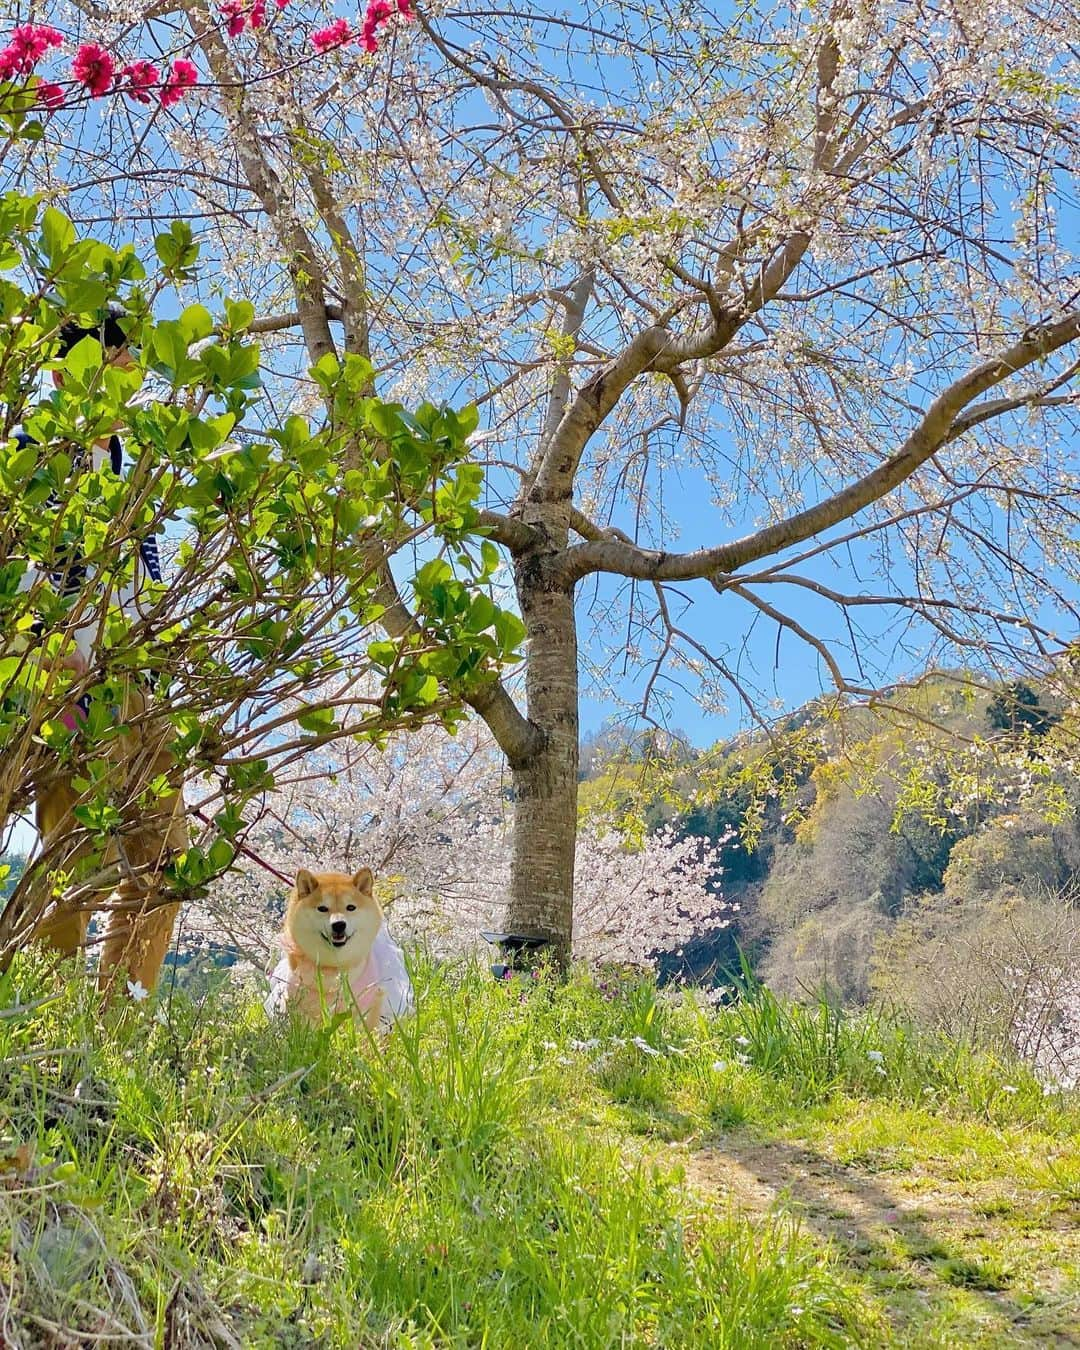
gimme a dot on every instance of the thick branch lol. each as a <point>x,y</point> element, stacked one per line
<point>304,265</point>
<point>518,738</point>
<point>573,318</point>
<point>277,323</point>
<point>513,534</point>
<point>938,426</point>
<point>654,348</point>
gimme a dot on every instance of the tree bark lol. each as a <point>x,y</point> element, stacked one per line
<point>541,902</point>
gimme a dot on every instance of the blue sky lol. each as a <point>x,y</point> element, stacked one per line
<point>883,646</point>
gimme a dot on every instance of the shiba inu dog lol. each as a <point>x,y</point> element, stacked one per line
<point>331,924</point>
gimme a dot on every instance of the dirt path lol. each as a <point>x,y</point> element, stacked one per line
<point>948,1263</point>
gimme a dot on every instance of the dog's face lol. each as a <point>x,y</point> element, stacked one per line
<point>333,918</point>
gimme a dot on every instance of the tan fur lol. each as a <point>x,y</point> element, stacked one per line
<point>322,970</point>
<point>139,927</point>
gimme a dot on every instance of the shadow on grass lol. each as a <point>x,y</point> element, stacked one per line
<point>907,1252</point>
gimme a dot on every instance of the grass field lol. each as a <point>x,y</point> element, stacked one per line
<point>522,1165</point>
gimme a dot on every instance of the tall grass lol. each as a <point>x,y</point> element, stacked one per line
<point>185,1174</point>
<point>821,1050</point>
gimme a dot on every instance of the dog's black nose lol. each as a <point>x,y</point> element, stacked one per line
<point>338,927</point>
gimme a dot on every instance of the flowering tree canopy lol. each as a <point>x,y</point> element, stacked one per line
<point>817,262</point>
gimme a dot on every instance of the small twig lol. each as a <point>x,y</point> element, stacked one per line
<point>250,853</point>
<point>32,1055</point>
<point>20,1008</point>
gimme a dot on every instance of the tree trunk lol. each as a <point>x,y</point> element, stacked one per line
<point>545,783</point>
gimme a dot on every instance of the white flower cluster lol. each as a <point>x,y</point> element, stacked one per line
<point>432,815</point>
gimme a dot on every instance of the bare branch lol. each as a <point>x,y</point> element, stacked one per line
<point>935,429</point>
<point>277,323</point>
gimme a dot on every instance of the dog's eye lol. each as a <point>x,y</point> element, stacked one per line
<point>324,909</point>
<point>350,907</point>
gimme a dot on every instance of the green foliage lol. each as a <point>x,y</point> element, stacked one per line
<point>12,866</point>
<point>281,538</point>
<point>1017,708</point>
<point>848,817</point>
<point>306,1188</point>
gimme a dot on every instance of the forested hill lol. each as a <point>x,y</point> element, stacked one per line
<point>876,837</point>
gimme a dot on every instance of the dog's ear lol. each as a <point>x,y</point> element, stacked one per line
<point>364,880</point>
<point>305,884</point>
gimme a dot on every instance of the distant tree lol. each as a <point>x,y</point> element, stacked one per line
<point>430,814</point>
<point>15,865</point>
<point>1016,708</point>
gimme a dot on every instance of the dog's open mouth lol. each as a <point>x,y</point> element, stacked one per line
<point>337,939</point>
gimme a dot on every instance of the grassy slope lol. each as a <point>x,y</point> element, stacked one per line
<point>576,1167</point>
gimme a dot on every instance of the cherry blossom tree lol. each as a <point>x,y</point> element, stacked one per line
<point>433,815</point>
<point>817,262</point>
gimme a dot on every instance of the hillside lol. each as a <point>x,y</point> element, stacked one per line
<point>591,1165</point>
<point>941,834</point>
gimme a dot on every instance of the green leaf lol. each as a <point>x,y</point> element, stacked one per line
<point>239,314</point>
<point>489,557</point>
<point>317,720</point>
<point>177,249</point>
<point>432,573</point>
<point>84,361</point>
<point>384,419</point>
<point>169,345</point>
<point>510,630</point>
<point>468,420</point>
<point>325,371</point>
<point>382,654</point>
<point>220,855</point>
<point>190,867</point>
<point>57,234</point>
<point>22,462</point>
<point>207,434</point>
<point>428,692</point>
<point>196,323</point>
<point>481,614</point>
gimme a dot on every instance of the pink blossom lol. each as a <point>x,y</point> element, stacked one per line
<point>49,95</point>
<point>338,33</point>
<point>182,76</point>
<point>233,11</point>
<point>431,809</point>
<point>378,13</point>
<point>93,67</point>
<point>257,18</point>
<point>138,79</point>
<point>29,43</point>
<point>281,3</point>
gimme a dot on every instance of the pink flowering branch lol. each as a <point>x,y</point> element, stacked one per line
<point>97,71</point>
<point>93,68</point>
<point>29,43</point>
